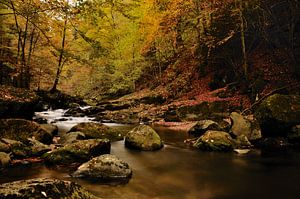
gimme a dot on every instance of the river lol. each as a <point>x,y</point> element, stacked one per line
<point>179,172</point>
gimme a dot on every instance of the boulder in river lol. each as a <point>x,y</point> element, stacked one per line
<point>43,188</point>
<point>278,114</point>
<point>50,128</point>
<point>71,137</point>
<point>75,112</point>
<point>200,127</point>
<point>247,126</point>
<point>17,148</point>
<point>143,137</point>
<point>104,167</point>
<point>93,130</point>
<point>21,130</point>
<point>38,148</point>
<point>80,151</point>
<point>215,141</point>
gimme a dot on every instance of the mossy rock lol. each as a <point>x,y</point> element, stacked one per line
<point>17,148</point>
<point>104,167</point>
<point>143,137</point>
<point>93,130</point>
<point>71,137</point>
<point>21,130</point>
<point>44,188</point>
<point>80,151</point>
<point>50,128</point>
<point>215,141</point>
<point>278,114</point>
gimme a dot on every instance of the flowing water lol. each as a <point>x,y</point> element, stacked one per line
<point>180,172</point>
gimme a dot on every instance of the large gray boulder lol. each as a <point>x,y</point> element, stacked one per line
<point>144,138</point>
<point>44,188</point>
<point>215,141</point>
<point>21,130</point>
<point>80,151</point>
<point>93,130</point>
<point>104,167</point>
<point>247,126</point>
<point>278,114</point>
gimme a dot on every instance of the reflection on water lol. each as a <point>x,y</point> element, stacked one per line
<point>178,172</point>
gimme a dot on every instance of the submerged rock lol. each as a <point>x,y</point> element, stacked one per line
<point>247,126</point>
<point>4,159</point>
<point>104,167</point>
<point>215,141</point>
<point>93,130</point>
<point>278,114</point>
<point>143,137</point>
<point>21,130</point>
<point>44,188</point>
<point>80,151</point>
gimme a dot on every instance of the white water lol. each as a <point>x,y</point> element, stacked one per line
<point>65,123</point>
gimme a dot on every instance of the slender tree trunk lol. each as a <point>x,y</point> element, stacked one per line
<point>240,7</point>
<point>243,40</point>
<point>61,56</point>
<point>24,66</point>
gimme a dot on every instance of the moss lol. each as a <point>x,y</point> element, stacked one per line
<point>278,113</point>
<point>215,141</point>
<point>44,188</point>
<point>97,131</point>
<point>143,137</point>
<point>80,151</point>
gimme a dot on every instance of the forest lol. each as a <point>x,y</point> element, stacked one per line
<point>111,48</point>
<point>215,82</point>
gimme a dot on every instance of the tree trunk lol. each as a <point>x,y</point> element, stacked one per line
<point>61,56</point>
<point>243,40</point>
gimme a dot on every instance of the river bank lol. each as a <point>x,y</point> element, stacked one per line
<point>76,135</point>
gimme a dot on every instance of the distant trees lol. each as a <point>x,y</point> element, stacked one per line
<point>109,46</point>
